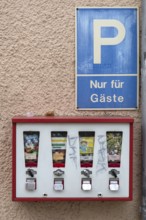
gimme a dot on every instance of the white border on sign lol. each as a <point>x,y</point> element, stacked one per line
<point>99,109</point>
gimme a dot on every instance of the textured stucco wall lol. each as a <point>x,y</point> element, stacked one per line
<point>37,74</point>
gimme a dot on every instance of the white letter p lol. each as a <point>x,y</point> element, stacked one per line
<point>98,41</point>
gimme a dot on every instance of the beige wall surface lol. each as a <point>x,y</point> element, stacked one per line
<point>37,74</point>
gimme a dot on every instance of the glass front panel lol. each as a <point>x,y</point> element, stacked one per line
<point>58,141</point>
<point>31,148</point>
<point>86,141</point>
<point>114,148</point>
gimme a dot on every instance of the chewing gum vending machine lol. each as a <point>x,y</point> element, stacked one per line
<point>70,158</point>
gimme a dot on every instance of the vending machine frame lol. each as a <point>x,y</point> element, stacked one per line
<point>84,121</point>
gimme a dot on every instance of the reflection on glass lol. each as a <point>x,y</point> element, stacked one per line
<point>86,141</point>
<point>58,141</point>
<point>31,148</point>
<point>114,147</point>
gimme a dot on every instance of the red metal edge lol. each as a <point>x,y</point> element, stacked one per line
<point>38,199</point>
<point>57,165</point>
<point>13,161</point>
<point>86,164</point>
<point>131,163</point>
<point>31,164</point>
<point>114,164</point>
<point>69,119</point>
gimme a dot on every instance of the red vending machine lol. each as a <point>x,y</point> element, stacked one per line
<point>72,158</point>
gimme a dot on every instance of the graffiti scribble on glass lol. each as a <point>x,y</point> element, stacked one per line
<point>102,154</point>
<point>73,149</point>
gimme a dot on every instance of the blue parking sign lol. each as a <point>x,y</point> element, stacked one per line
<point>107,58</point>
